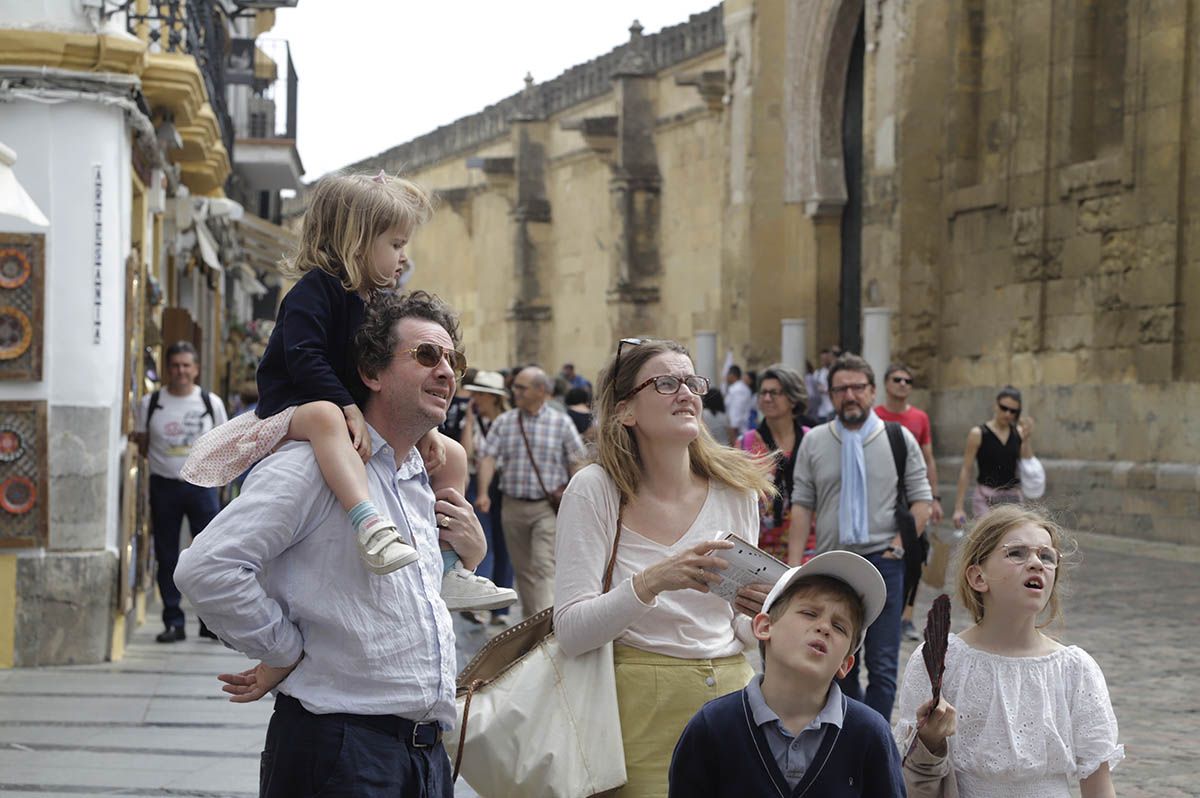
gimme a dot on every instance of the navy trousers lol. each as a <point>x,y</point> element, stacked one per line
<point>881,650</point>
<point>170,501</point>
<point>348,756</point>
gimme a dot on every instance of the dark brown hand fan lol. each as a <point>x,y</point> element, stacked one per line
<point>937,638</point>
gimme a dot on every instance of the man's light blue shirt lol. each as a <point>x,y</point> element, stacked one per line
<point>278,572</point>
<point>794,753</point>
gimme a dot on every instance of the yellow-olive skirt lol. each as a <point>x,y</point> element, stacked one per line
<point>657,695</point>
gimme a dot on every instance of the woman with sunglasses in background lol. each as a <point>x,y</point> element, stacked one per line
<point>996,446</point>
<point>661,492</point>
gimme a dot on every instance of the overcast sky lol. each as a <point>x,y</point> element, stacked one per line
<point>376,73</point>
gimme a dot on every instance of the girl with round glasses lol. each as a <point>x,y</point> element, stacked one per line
<point>671,491</point>
<point>1020,714</point>
<point>995,447</point>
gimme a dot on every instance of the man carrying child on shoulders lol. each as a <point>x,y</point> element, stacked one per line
<point>791,731</point>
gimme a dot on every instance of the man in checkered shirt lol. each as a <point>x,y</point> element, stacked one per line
<point>527,517</point>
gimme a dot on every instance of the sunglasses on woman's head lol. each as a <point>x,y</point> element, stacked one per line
<point>624,342</point>
<point>430,355</point>
<point>902,380</point>
<point>1012,411</point>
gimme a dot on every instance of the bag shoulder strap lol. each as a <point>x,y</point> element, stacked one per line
<point>529,450</point>
<point>899,446</point>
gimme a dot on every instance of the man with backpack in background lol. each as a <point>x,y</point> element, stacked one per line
<point>168,422</point>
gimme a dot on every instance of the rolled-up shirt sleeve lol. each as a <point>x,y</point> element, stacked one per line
<point>219,572</point>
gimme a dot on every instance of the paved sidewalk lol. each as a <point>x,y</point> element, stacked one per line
<point>156,724</point>
<point>153,724</point>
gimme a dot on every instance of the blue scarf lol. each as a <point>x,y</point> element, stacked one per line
<point>853,513</point>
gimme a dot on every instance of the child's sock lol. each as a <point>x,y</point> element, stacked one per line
<point>361,513</point>
<point>449,560</point>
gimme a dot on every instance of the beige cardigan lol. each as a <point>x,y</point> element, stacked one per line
<point>929,776</point>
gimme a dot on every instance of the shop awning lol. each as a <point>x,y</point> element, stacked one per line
<point>14,200</point>
<point>264,244</point>
<point>208,247</point>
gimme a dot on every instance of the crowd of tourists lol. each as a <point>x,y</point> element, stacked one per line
<point>391,485</point>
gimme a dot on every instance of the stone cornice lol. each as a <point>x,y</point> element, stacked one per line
<point>65,50</point>
<point>702,33</point>
<point>173,82</point>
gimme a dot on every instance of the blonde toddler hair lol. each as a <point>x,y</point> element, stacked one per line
<point>346,213</point>
<point>985,537</point>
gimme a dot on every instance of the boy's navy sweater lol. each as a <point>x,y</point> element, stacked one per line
<point>310,356</point>
<point>723,752</point>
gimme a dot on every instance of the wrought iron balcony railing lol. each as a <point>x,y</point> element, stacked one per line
<point>194,27</point>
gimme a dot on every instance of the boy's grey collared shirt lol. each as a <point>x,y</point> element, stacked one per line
<point>278,572</point>
<point>794,753</point>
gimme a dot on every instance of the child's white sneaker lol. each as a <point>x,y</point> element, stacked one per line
<point>463,590</point>
<point>382,548</point>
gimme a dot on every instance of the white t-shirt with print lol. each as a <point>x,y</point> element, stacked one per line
<point>176,424</point>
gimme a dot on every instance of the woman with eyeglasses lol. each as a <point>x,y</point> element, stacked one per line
<point>782,400</point>
<point>661,492</point>
<point>996,447</point>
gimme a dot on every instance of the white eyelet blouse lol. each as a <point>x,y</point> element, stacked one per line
<point>1026,725</point>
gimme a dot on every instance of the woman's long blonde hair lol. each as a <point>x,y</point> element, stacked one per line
<point>346,213</point>
<point>617,448</point>
<point>985,537</point>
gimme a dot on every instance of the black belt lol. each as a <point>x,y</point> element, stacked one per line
<point>423,734</point>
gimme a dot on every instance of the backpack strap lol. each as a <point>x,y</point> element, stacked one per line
<point>206,397</point>
<point>154,405</point>
<point>899,446</point>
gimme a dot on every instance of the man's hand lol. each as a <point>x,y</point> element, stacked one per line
<point>459,526</point>
<point>357,425</point>
<point>935,512</point>
<point>255,683</point>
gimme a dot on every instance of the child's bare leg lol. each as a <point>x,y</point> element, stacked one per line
<point>323,425</point>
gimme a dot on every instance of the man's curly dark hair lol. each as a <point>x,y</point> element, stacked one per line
<point>376,341</point>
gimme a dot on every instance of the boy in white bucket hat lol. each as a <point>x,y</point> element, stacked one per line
<point>791,731</point>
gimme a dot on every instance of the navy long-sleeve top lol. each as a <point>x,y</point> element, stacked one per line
<point>310,356</point>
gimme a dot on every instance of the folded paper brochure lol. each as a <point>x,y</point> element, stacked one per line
<point>748,565</point>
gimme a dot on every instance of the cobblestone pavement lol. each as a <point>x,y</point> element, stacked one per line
<point>156,724</point>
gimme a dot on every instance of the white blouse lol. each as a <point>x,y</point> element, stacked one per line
<point>679,623</point>
<point>1026,725</point>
